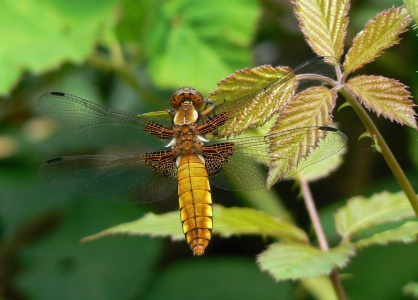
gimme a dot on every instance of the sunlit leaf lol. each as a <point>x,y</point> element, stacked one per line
<point>411,289</point>
<point>379,34</point>
<point>361,213</point>
<point>39,36</point>
<point>308,108</point>
<point>384,96</point>
<point>294,261</point>
<point>412,7</point>
<point>311,107</point>
<point>407,233</point>
<point>183,47</point>
<point>324,25</point>
<point>164,225</point>
<point>237,221</point>
<point>319,167</point>
<point>227,222</point>
<point>254,96</point>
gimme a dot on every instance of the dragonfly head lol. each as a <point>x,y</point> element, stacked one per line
<point>187,95</point>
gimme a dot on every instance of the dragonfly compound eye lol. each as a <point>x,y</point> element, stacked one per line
<point>187,94</point>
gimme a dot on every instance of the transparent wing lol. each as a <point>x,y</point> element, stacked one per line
<point>241,92</point>
<point>123,178</point>
<point>98,123</point>
<point>242,170</point>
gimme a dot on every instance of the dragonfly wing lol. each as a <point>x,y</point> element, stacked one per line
<point>98,123</point>
<point>293,150</point>
<point>123,178</point>
<point>241,173</point>
<point>250,97</point>
<point>285,153</point>
<point>234,164</point>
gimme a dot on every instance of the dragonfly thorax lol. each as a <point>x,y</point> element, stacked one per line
<point>186,140</point>
<point>186,114</point>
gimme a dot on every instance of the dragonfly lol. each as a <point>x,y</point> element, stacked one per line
<point>185,147</point>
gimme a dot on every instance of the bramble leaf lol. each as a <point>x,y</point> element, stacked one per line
<point>254,95</point>
<point>384,96</point>
<point>361,213</point>
<point>237,221</point>
<point>182,48</point>
<point>308,108</point>
<point>318,166</point>
<point>379,34</point>
<point>294,261</point>
<point>324,25</point>
<point>39,36</point>
<point>407,233</point>
<point>163,225</point>
<point>412,7</point>
<point>227,222</point>
<point>311,107</point>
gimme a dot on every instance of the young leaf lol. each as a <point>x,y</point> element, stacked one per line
<point>412,7</point>
<point>384,96</point>
<point>227,222</point>
<point>294,261</point>
<point>407,233</point>
<point>324,25</point>
<point>379,34</point>
<point>311,107</point>
<point>256,94</point>
<point>361,213</point>
<point>318,167</point>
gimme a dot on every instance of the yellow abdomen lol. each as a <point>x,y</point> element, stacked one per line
<point>195,202</point>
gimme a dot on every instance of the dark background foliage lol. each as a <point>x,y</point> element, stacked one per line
<point>131,55</point>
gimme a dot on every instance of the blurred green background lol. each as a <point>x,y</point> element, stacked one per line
<point>131,55</point>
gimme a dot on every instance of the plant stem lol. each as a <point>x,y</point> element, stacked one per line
<point>319,231</point>
<point>385,150</point>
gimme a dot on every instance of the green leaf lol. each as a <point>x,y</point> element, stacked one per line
<point>293,150</point>
<point>310,107</point>
<point>385,96</point>
<point>164,225</point>
<point>39,36</point>
<point>319,167</point>
<point>227,222</point>
<point>411,289</point>
<point>379,34</point>
<point>407,233</point>
<point>295,261</point>
<point>361,213</point>
<point>238,221</point>
<point>324,24</point>
<point>412,7</point>
<point>198,42</point>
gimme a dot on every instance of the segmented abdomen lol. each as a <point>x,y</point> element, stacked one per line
<point>195,202</point>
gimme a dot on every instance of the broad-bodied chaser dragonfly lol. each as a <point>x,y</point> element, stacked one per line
<point>189,145</point>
